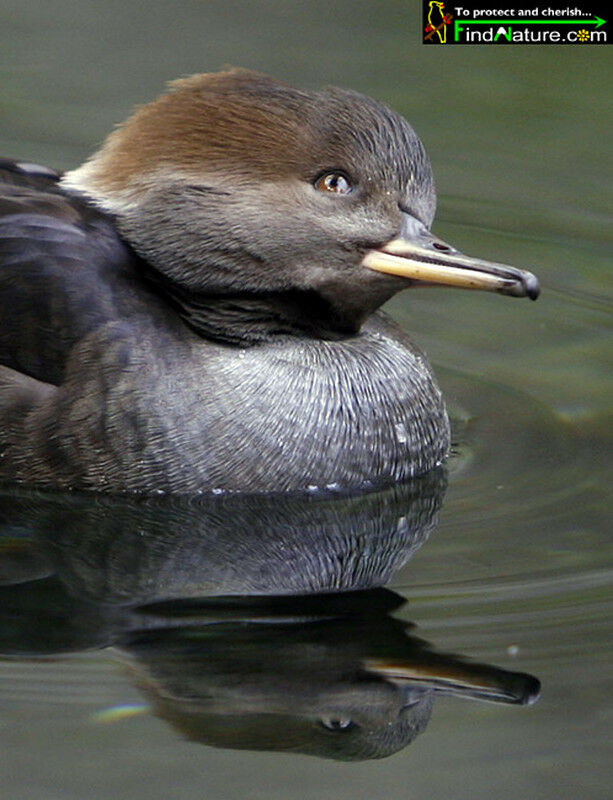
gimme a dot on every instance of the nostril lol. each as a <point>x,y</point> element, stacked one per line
<point>439,246</point>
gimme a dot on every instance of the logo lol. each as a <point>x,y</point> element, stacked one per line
<point>472,22</point>
<point>437,22</point>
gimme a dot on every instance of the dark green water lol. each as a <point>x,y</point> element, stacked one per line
<point>518,572</point>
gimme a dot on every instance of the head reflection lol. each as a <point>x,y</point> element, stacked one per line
<point>335,676</point>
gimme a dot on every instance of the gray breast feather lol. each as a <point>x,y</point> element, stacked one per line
<point>143,411</point>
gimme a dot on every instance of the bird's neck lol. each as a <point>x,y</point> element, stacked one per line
<point>249,318</point>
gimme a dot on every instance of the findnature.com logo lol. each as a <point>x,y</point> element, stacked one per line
<point>473,23</point>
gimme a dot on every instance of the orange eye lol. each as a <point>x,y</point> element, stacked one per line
<point>334,182</point>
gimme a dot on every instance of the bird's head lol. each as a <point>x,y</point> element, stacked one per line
<point>232,183</point>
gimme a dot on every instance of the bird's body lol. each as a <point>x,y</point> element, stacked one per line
<point>193,320</point>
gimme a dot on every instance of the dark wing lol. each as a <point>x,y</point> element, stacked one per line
<point>64,271</point>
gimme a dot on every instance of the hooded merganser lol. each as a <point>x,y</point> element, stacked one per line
<point>193,309</point>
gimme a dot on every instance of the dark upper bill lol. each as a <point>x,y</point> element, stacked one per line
<point>417,254</point>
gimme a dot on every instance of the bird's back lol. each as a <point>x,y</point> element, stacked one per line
<point>63,271</point>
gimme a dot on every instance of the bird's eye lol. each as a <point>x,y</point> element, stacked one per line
<point>334,182</point>
<point>336,723</point>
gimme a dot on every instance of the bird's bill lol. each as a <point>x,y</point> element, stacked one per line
<point>476,681</point>
<point>423,258</point>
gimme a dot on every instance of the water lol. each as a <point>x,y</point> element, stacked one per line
<point>516,575</point>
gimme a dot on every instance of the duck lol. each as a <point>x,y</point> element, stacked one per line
<point>196,308</point>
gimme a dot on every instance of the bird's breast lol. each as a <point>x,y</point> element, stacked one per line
<point>296,414</point>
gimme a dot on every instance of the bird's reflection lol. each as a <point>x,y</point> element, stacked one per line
<point>249,622</point>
